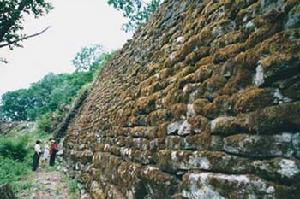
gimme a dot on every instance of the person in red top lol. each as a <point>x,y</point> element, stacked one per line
<point>53,151</point>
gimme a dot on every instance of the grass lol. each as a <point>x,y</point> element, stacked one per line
<point>73,188</point>
<point>73,185</point>
<point>16,163</point>
<point>16,158</point>
<point>12,171</point>
<point>50,169</point>
<point>14,148</point>
<point>22,186</point>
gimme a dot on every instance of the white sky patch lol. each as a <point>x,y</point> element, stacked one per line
<point>74,24</point>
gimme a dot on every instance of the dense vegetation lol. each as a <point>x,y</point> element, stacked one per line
<point>15,158</point>
<point>16,151</point>
<point>11,171</point>
<point>44,96</point>
<point>51,94</point>
<point>13,149</point>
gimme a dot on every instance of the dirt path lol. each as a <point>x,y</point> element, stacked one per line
<point>46,184</point>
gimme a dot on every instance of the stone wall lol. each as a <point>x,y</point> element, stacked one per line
<point>203,102</point>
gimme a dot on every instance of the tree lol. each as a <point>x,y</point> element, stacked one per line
<point>138,12</point>
<point>12,13</point>
<point>48,95</point>
<point>87,57</point>
<point>14,105</point>
<point>44,96</point>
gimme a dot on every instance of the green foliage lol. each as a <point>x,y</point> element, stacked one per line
<point>87,57</point>
<point>73,185</point>
<point>11,171</point>
<point>42,97</point>
<point>14,149</point>
<point>14,107</point>
<point>44,123</point>
<point>12,14</point>
<point>15,159</point>
<point>25,186</point>
<point>14,168</point>
<point>138,12</point>
<point>48,95</point>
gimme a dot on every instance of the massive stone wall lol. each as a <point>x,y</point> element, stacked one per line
<point>204,102</point>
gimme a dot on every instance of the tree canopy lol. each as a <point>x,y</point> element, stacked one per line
<point>12,13</point>
<point>138,12</point>
<point>42,97</point>
<point>87,57</point>
<point>49,94</point>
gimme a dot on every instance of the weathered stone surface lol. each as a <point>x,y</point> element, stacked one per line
<point>215,185</point>
<point>260,146</point>
<point>296,144</point>
<point>203,102</point>
<point>275,119</point>
<point>278,169</point>
<point>229,125</point>
<point>293,19</point>
<point>253,98</point>
<point>218,162</point>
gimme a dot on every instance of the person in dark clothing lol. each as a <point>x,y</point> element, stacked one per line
<point>53,151</point>
<point>36,156</point>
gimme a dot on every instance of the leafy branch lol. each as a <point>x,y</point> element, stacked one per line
<point>23,38</point>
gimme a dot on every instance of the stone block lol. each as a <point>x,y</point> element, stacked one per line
<point>216,185</point>
<point>227,125</point>
<point>275,119</point>
<point>258,146</point>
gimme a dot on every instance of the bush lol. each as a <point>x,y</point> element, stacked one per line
<point>16,159</point>
<point>11,171</point>
<point>44,123</point>
<point>15,149</point>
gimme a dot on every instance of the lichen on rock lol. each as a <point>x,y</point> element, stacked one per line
<point>203,102</point>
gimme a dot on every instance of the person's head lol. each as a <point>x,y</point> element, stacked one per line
<point>38,142</point>
<point>46,141</point>
<point>52,140</point>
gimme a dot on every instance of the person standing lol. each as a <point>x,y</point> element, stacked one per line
<point>53,151</point>
<point>46,152</point>
<point>36,156</point>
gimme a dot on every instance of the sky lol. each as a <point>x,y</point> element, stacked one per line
<point>73,25</point>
